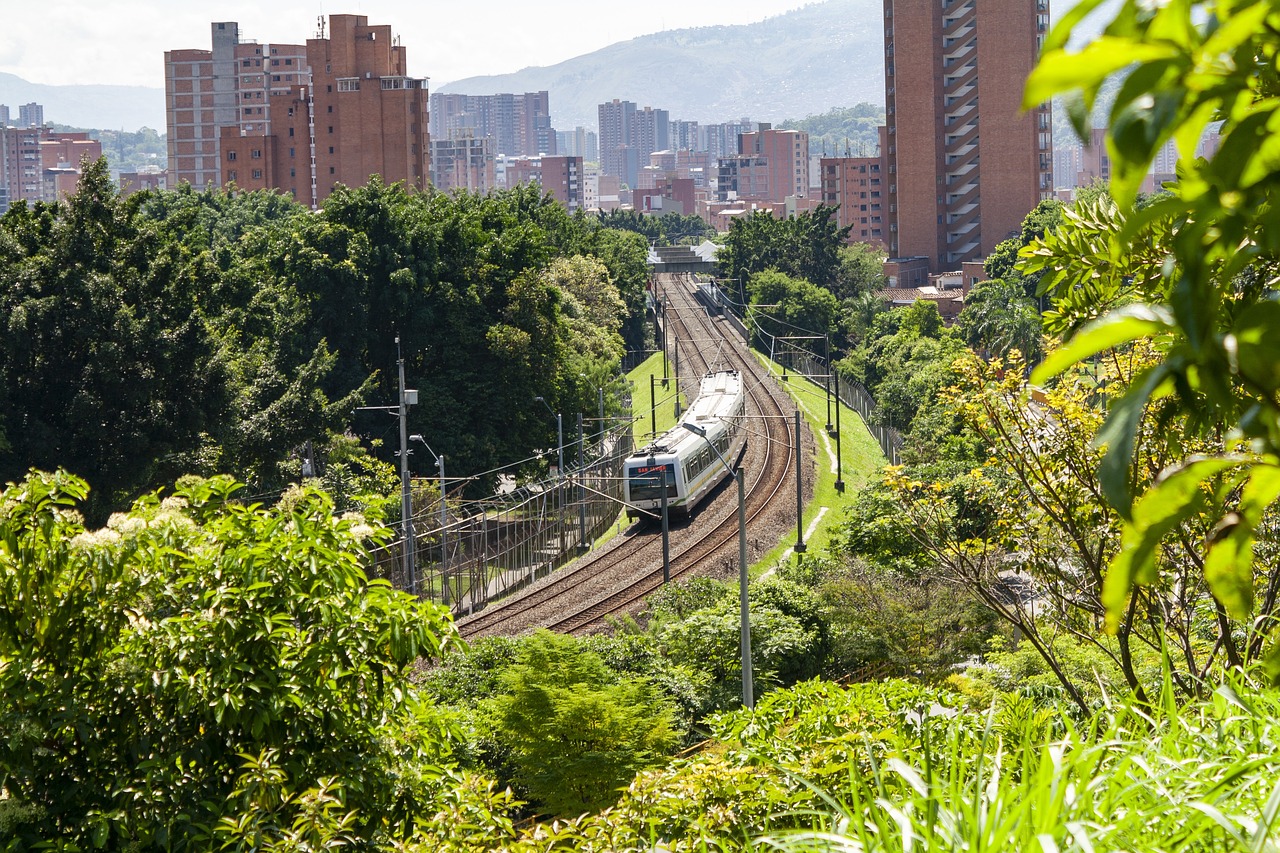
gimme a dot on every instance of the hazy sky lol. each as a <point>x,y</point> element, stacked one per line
<point>123,41</point>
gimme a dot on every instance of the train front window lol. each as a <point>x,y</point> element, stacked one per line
<point>647,480</point>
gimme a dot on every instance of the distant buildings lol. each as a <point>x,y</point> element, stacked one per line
<point>628,136</point>
<point>965,163</point>
<point>579,142</point>
<point>463,162</point>
<point>563,178</point>
<point>770,166</point>
<point>41,164</point>
<point>146,178</point>
<point>519,125</point>
<point>296,119</point>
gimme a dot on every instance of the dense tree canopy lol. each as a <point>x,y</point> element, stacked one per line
<point>211,332</point>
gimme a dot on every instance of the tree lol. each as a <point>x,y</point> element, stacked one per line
<point>790,308</point>
<point>1207,306</point>
<point>861,271</point>
<point>807,246</point>
<point>998,318</point>
<point>578,733</point>
<point>201,669</point>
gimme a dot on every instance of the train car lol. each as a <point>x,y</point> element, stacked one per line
<point>680,461</point>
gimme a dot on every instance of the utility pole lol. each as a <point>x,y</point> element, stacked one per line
<point>800,546</point>
<point>406,496</point>
<point>583,545</point>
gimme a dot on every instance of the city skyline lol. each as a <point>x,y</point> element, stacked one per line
<point>126,46</point>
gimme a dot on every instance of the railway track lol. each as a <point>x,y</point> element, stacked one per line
<point>615,580</point>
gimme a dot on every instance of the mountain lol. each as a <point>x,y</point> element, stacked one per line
<point>800,63</point>
<point>127,107</point>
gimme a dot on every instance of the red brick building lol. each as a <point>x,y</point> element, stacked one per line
<point>560,177</point>
<point>859,186</point>
<point>352,112</point>
<point>770,166</point>
<point>965,163</point>
<point>41,164</point>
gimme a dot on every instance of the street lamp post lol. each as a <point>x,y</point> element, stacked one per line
<point>748,698</point>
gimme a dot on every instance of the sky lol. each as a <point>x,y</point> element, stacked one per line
<point>123,41</point>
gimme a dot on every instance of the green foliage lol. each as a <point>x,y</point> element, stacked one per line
<point>202,672</point>
<point>208,332</point>
<point>669,229</point>
<point>578,734</point>
<point>842,131</point>
<point>1205,306</point>
<point>861,271</point>
<point>998,318</point>
<point>807,246</point>
<point>784,307</point>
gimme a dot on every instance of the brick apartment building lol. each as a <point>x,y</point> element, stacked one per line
<point>965,163</point>
<point>463,162</point>
<point>859,187</point>
<point>519,125</point>
<point>561,177</point>
<point>299,120</point>
<point>770,166</point>
<point>39,164</point>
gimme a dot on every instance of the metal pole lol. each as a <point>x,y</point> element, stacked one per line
<point>406,498</point>
<point>666,542</point>
<point>748,689</point>
<point>676,346</point>
<point>600,426</point>
<point>839,463</point>
<point>560,477</point>
<point>653,406</point>
<point>800,546</point>
<point>663,303</point>
<point>582,490</point>
<point>444,541</point>
<point>826,382</point>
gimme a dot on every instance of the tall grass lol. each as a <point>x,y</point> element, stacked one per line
<point>1205,776</point>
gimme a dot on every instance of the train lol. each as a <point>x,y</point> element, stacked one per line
<point>680,461</point>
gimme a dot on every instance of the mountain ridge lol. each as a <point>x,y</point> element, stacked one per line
<point>96,105</point>
<point>719,73</point>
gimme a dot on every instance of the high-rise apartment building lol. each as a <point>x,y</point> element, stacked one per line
<point>857,187</point>
<point>31,115</point>
<point>579,142</point>
<point>966,165</point>
<point>628,136</point>
<point>300,120</point>
<point>519,125</point>
<point>560,177</point>
<point>228,86</point>
<point>4,115</point>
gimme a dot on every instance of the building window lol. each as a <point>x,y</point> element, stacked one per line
<point>330,108</point>
<point>291,131</point>
<point>330,149</point>
<point>331,128</point>
<point>231,155</point>
<point>256,153</point>
<point>290,152</point>
<point>293,173</point>
<point>231,175</point>
<point>288,62</point>
<point>257,174</point>
<point>331,170</point>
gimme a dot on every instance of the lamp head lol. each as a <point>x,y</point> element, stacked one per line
<point>694,428</point>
